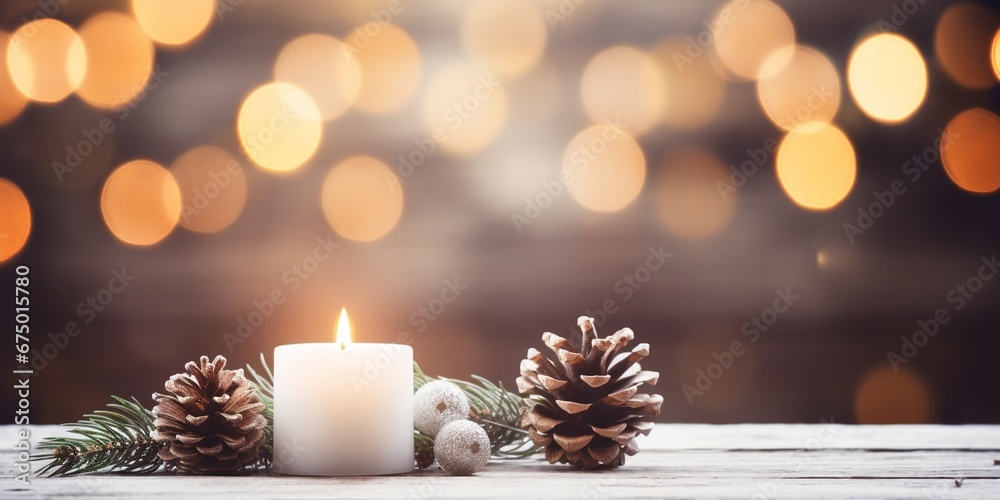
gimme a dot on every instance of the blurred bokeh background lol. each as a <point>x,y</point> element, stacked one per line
<point>813,180</point>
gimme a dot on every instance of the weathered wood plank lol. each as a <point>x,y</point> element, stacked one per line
<point>499,482</point>
<point>774,464</point>
<point>678,461</point>
<point>798,436</point>
<point>765,436</point>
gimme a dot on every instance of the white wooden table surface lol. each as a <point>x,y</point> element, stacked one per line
<point>677,461</point>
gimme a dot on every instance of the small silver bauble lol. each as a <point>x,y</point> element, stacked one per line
<point>437,403</point>
<point>462,448</point>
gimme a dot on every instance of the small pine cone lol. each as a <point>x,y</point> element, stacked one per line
<point>585,408</point>
<point>211,419</point>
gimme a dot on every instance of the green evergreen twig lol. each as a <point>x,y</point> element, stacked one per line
<point>119,438</point>
<point>494,408</point>
<point>264,383</point>
<point>114,440</point>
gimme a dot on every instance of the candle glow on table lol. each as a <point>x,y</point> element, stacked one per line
<point>343,408</point>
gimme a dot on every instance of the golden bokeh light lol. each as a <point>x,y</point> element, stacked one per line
<point>47,60</point>
<point>800,88</point>
<point>816,166</point>
<point>119,60</point>
<point>173,22</point>
<point>747,32</point>
<point>464,109</point>
<point>695,90</point>
<point>995,54</point>
<point>213,189</point>
<point>390,67</point>
<point>322,66</point>
<point>625,85</point>
<point>15,219</point>
<point>887,397</point>
<point>963,43</point>
<point>970,151</point>
<point>279,127</point>
<point>686,196</point>
<point>887,77</point>
<point>362,199</point>
<point>141,203</point>
<point>604,168</point>
<point>12,101</point>
<point>506,36</point>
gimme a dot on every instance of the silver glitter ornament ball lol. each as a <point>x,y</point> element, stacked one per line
<point>437,403</point>
<point>462,448</point>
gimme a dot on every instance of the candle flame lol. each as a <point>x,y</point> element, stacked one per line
<point>343,329</point>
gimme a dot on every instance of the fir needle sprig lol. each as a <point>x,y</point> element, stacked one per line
<point>113,440</point>
<point>119,438</point>
<point>494,408</point>
<point>264,383</point>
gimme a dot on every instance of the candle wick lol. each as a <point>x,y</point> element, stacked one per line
<point>342,346</point>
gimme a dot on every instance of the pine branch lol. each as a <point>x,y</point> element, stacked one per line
<point>113,440</point>
<point>264,383</point>
<point>494,408</point>
<point>119,439</point>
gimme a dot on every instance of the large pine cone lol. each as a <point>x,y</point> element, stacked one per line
<point>585,409</point>
<point>211,419</point>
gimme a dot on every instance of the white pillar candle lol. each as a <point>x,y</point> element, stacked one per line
<point>343,408</point>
